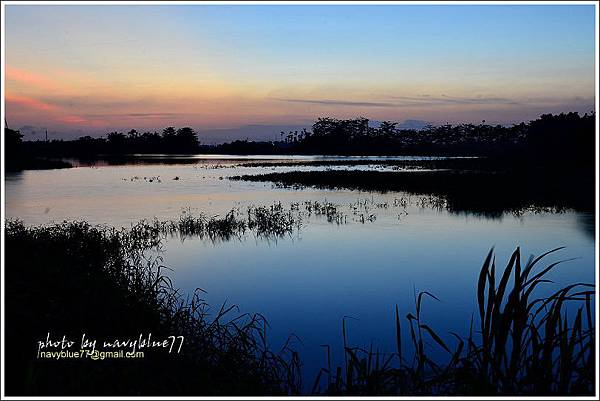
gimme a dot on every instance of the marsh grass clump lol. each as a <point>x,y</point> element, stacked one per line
<point>433,202</point>
<point>227,227</point>
<point>215,228</point>
<point>74,278</point>
<point>522,344</point>
<point>329,210</point>
<point>265,221</point>
<point>274,220</point>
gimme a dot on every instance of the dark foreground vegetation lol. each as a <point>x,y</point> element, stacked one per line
<point>567,137</point>
<point>73,278</point>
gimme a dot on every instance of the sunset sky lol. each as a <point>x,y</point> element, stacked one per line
<point>92,69</point>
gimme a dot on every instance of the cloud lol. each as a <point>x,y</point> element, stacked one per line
<point>28,78</point>
<point>97,102</point>
<point>148,115</point>
<point>409,101</point>
<point>154,115</point>
<point>104,120</point>
<point>133,115</point>
<point>445,99</point>
<point>337,102</point>
<point>29,103</point>
<point>72,120</point>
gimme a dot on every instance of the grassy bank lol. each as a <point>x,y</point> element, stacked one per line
<point>476,191</point>
<point>74,278</point>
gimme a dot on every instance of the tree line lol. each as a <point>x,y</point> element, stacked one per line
<point>568,135</point>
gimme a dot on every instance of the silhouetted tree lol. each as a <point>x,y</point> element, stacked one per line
<point>187,139</point>
<point>387,129</point>
<point>132,134</point>
<point>12,140</point>
<point>116,142</point>
<point>169,132</point>
<point>550,139</point>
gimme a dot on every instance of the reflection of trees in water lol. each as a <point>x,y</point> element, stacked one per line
<point>586,222</point>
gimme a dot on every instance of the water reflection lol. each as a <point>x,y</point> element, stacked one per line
<point>586,222</point>
<point>356,254</point>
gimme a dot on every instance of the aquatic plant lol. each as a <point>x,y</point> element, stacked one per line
<point>329,210</point>
<point>525,345</point>
<point>73,276</point>
<point>273,220</point>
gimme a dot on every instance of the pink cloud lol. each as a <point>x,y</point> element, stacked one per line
<point>72,120</point>
<point>29,102</point>
<point>29,78</point>
<point>79,120</point>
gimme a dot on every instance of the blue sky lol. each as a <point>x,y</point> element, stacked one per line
<point>99,67</point>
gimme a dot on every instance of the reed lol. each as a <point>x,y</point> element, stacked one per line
<point>327,209</point>
<point>73,276</point>
<point>524,345</point>
<point>264,221</point>
<point>272,221</point>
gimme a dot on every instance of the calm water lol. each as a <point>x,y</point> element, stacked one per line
<point>307,282</point>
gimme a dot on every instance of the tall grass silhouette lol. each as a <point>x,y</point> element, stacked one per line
<point>524,345</point>
<point>73,278</point>
<point>70,277</point>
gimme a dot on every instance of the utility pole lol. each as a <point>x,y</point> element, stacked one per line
<point>46,135</point>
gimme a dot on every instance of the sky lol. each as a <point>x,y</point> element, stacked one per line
<point>87,69</point>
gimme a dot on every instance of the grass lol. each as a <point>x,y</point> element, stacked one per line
<point>327,209</point>
<point>265,222</point>
<point>273,220</point>
<point>73,277</point>
<point>490,193</point>
<point>521,345</point>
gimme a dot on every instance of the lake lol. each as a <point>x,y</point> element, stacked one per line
<point>388,246</point>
